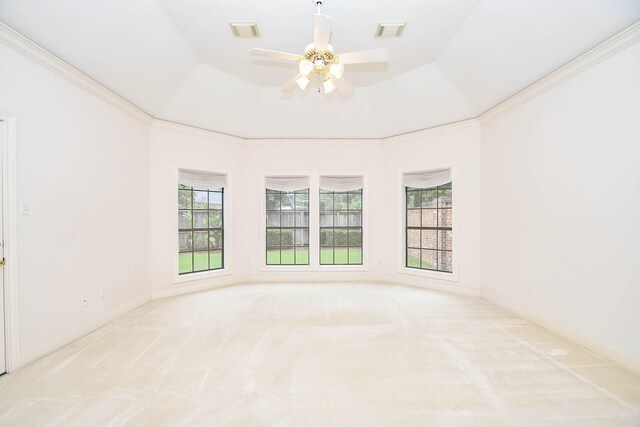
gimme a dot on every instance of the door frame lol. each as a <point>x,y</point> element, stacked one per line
<point>9,232</point>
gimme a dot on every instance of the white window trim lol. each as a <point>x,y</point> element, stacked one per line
<point>226,218</point>
<point>402,202</point>
<point>314,225</point>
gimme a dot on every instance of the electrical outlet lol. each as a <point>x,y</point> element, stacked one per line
<point>101,294</point>
<point>83,302</point>
<point>529,292</point>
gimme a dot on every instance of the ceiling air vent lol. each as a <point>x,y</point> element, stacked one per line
<point>390,29</point>
<point>245,29</point>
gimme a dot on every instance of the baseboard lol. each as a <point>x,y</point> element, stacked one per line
<point>60,341</point>
<point>431,284</point>
<point>620,358</point>
<point>202,285</point>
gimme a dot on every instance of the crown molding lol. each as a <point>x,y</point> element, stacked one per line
<point>21,44</point>
<point>167,124</point>
<point>615,44</point>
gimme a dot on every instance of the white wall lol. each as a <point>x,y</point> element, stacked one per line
<point>82,166</point>
<point>174,146</point>
<point>561,206</point>
<point>457,148</point>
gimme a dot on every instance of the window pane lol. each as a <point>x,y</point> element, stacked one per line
<point>302,201</point>
<point>287,219</point>
<point>355,218</point>
<point>200,240</point>
<point>355,201</point>
<point>444,198</point>
<point>413,258</point>
<point>444,239</point>
<point>273,238</point>
<point>273,201</point>
<point>340,201</point>
<point>340,237</point>
<point>429,259</point>
<point>215,219</point>
<point>215,200</point>
<point>429,217</point>
<point>186,241</point>
<point>302,255</point>
<point>200,219</point>
<point>430,198</point>
<point>288,201</point>
<point>184,219</point>
<point>200,199</point>
<point>326,201</point>
<point>302,219</point>
<point>413,238</point>
<point>326,219</point>
<point>355,255</point>
<point>273,256</point>
<point>355,237</point>
<point>429,239</point>
<point>184,262</point>
<point>200,261</point>
<point>215,259</point>
<point>445,217</point>
<point>287,255</point>
<point>340,255</point>
<point>326,256</point>
<point>302,237</point>
<point>413,218</point>
<point>341,219</point>
<point>286,237</point>
<point>326,237</point>
<point>444,259</point>
<point>184,199</point>
<point>413,199</point>
<point>215,239</point>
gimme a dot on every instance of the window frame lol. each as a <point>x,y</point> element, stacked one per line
<point>314,224</point>
<point>348,228</point>
<point>455,231</point>
<point>293,228</point>
<point>226,226</point>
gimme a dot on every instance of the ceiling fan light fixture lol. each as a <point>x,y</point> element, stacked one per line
<point>336,70</point>
<point>302,82</point>
<point>328,86</point>
<point>305,67</point>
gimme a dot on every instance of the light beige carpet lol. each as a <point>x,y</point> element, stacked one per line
<point>321,355</point>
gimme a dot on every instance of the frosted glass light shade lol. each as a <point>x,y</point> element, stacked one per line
<point>303,82</point>
<point>337,70</point>
<point>305,67</point>
<point>328,86</point>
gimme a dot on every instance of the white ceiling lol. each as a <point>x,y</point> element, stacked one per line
<point>178,60</point>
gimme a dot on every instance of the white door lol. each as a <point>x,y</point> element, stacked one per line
<point>3,366</point>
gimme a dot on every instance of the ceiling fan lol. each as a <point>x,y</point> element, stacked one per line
<point>320,63</point>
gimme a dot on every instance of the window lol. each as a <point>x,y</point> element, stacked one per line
<point>340,227</point>
<point>429,240</point>
<point>287,240</point>
<point>200,221</point>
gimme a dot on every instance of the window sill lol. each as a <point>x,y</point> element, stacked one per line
<point>202,275</point>
<point>451,277</point>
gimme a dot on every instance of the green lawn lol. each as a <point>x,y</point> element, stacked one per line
<point>327,256</point>
<point>200,261</point>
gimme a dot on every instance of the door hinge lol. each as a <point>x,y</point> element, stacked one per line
<point>2,262</point>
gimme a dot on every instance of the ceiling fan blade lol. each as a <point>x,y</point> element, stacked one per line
<point>274,54</point>
<point>342,85</point>
<point>291,84</point>
<point>321,31</point>
<point>364,56</point>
